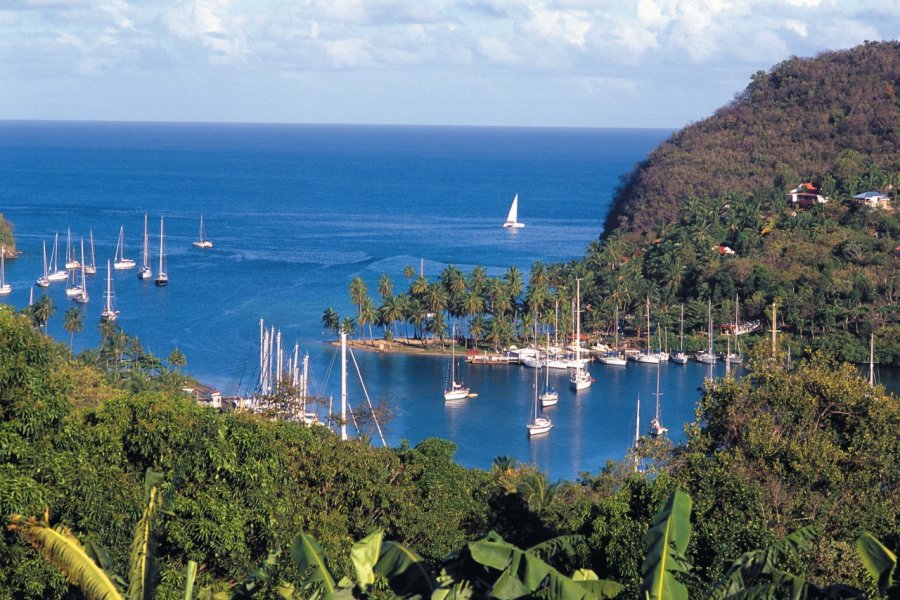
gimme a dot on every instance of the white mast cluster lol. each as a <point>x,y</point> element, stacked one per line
<point>279,367</point>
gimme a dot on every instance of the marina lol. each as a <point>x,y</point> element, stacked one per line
<point>292,229</point>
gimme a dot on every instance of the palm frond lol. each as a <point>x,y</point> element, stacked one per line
<point>63,550</point>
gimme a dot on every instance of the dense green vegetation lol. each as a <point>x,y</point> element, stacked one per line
<point>6,236</point>
<point>769,454</point>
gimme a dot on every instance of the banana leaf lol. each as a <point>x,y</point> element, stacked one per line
<point>664,547</point>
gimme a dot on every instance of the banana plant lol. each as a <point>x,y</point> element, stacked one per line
<point>88,565</point>
<point>664,546</point>
<point>880,563</point>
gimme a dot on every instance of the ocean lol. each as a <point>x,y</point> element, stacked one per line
<point>295,213</point>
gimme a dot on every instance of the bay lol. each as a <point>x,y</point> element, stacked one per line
<point>295,213</point>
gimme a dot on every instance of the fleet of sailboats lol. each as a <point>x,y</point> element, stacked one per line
<point>512,218</point>
<point>162,278</point>
<point>202,242</point>
<point>145,271</point>
<point>121,263</point>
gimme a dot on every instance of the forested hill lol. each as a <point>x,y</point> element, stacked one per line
<point>6,237</point>
<point>807,120</point>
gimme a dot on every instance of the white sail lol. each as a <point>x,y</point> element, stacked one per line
<point>512,219</point>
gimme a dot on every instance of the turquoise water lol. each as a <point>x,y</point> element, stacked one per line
<point>296,212</point>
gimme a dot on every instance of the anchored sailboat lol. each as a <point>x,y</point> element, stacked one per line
<point>708,357</point>
<point>680,358</point>
<point>549,397</point>
<point>537,424</point>
<point>455,390</point>
<point>616,357</point>
<point>656,428</point>
<point>648,356</point>
<point>146,272</point>
<point>580,378</point>
<point>736,357</point>
<point>512,221</point>
<point>5,288</point>
<point>91,269</point>
<point>162,278</point>
<point>202,242</point>
<point>82,296</point>
<point>71,261</point>
<point>56,274</point>
<point>108,313</point>
<point>43,281</point>
<point>122,263</point>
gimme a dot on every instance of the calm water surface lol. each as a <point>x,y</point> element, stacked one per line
<point>296,212</point>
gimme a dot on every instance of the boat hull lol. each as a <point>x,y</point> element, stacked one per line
<point>42,282</point>
<point>73,291</point>
<point>539,426</point>
<point>109,316</point>
<point>458,394</point>
<point>145,273</point>
<point>82,298</point>
<point>89,270</point>
<point>162,280</point>
<point>647,359</point>
<point>124,264</point>
<point>708,359</point>
<point>549,399</point>
<point>513,225</point>
<point>58,276</point>
<point>203,244</point>
<point>617,361</point>
<point>679,359</point>
<point>5,289</point>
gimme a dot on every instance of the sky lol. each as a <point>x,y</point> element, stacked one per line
<point>571,63</point>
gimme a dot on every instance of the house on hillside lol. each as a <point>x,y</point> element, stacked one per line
<point>724,250</point>
<point>205,395</point>
<point>805,195</point>
<point>873,200</point>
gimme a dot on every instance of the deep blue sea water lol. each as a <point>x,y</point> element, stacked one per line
<point>296,212</point>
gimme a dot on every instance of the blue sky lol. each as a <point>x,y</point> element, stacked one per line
<point>591,63</point>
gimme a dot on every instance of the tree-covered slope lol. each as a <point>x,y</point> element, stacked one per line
<point>6,237</point>
<point>815,119</point>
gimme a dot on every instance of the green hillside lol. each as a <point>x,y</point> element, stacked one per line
<point>6,236</point>
<point>834,119</point>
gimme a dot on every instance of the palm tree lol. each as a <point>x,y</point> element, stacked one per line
<point>367,316</point>
<point>409,272</point>
<point>359,292</point>
<point>331,320</point>
<point>42,310</point>
<point>385,286</point>
<point>419,287</point>
<point>478,279</point>
<point>176,359</point>
<point>73,323</point>
<point>437,326</point>
<point>473,305</point>
<point>392,311</point>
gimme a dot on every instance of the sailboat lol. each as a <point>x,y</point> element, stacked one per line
<point>663,350</point>
<point>656,428</point>
<point>146,272</point>
<point>680,358</point>
<point>162,278</point>
<point>56,274</point>
<point>202,242</point>
<point>454,391</point>
<point>71,260</point>
<point>5,288</point>
<point>580,378</point>
<point>736,358</point>
<point>43,281</point>
<point>708,357</point>
<point>121,263</point>
<point>108,314</point>
<point>616,357</point>
<point>74,287</point>
<point>537,424</point>
<point>549,397</point>
<point>82,296</point>
<point>512,221</point>
<point>648,356</point>
<point>91,269</point>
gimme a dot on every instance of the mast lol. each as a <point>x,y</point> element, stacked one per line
<point>93,263</point>
<point>657,394</point>
<point>578,322</point>
<point>343,385</point>
<point>682,328</point>
<point>872,359</point>
<point>649,349</point>
<point>161,270</point>
<point>637,424</point>
<point>201,227</point>
<point>728,358</point>
<point>54,258</point>
<point>774,328</point>
<point>147,244</point>
<point>44,243</point>
<point>83,276</point>
<point>710,325</point>
<point>617,327</point>
<point>108,289</point>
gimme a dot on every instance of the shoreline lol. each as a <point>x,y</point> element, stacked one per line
<point>408,346</point>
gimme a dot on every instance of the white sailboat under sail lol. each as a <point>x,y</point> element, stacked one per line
<point>512,219</point>
<point>202,242</point>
